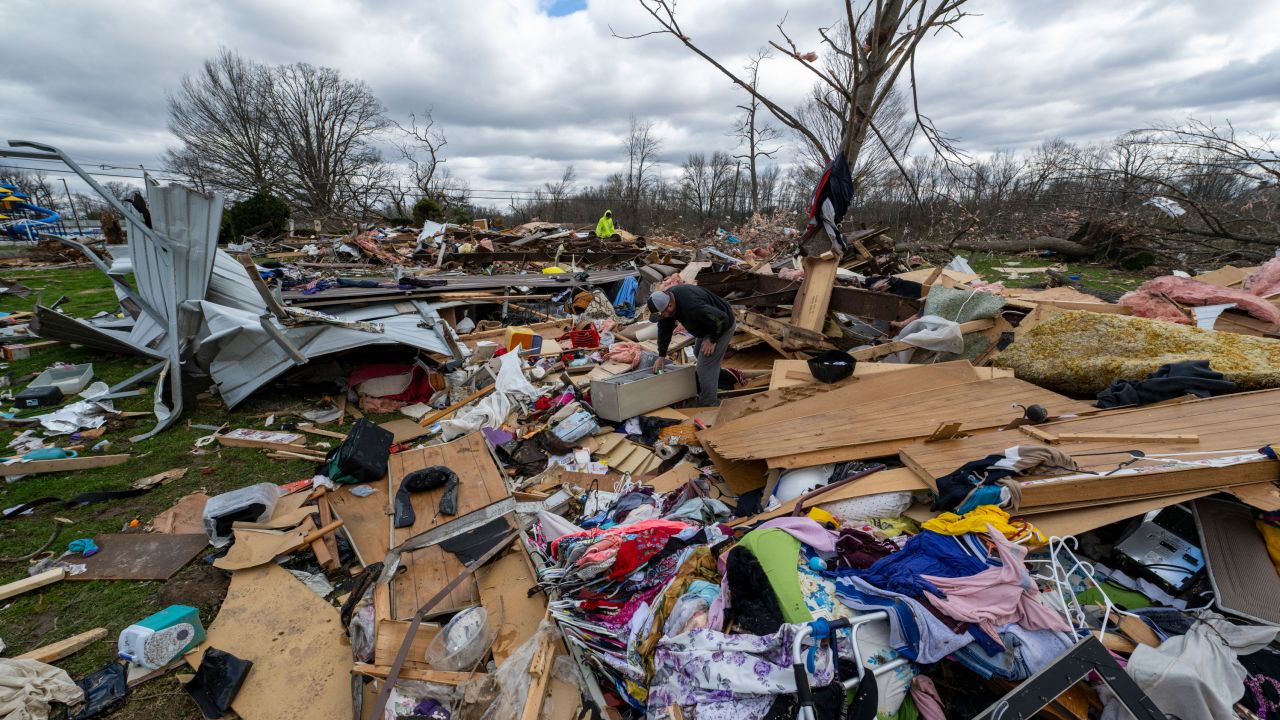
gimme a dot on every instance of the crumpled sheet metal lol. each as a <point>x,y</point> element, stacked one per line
<point>1082,353</point>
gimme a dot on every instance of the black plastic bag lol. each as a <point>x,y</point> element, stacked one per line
<point>436,476</point>
<point>217,681</point>
<point>103,691</point>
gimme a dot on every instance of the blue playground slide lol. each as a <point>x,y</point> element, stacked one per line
<point>20,220</point>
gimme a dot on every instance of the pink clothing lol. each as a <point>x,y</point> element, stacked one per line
<point>996,596</point>
<point>925,696</point>
<point>806,530</point>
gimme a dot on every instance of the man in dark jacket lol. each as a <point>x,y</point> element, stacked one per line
<point>708,317</point>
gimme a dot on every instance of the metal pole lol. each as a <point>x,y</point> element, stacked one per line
<point>71,203</point>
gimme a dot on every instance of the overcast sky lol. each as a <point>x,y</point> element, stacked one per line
<point>526,87</point>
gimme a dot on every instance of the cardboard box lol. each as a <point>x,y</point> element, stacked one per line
<point>635,393</point>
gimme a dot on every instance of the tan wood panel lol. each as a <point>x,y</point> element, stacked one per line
<point>479,481</point>
<point>426,571</point>
<point>365,520</point>
<point>976,404</point>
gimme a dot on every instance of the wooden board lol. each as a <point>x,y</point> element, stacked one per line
<point>1073,522</point>
<point>924,274</point>
<point>504,592</point>
<point>1226,276</point>
<point>263,439</point>
<point>674,478</point>
<point>294,639</point>
<point>403,429</point>
<point>788,373</point>
<point>1228,423</point>
<point>809,309</point>
<point>58,650</point>
<point>27,584</point>
<point>140,556</point>
<point>33,467</point>
<point>1263,496</point>
<point>426,571</point>
<point>390,637</point>
<point>891,411</point>
<point>365,520</point>
<point>480,482</point>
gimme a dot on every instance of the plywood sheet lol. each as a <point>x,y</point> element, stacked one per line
<point>365,520</point>
<point>1073,522</point>
<point>893,411</point>
<point>403,429</point>
<point>391,634</point>
<point>504,592</point>
<point>296,643</point>
<point>480,483</point>
<point>426,571</point>
<point>1229,425</point>
<point>141,556</point>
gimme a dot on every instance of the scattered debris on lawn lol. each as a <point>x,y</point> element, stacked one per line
<point>607,474</point>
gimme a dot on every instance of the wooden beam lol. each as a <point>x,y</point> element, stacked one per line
<point>325,548</point>
<point>322,432</point>
<point>56,651</point>
<point>540,669</point>
<point>436,676</point>
<point>88,462</point>
<point>1127,437</point>
<point>27,584</point>
<point>440,414</point>
<point>1045,437</point>
<point>809,310</point>
<point>791,337</point>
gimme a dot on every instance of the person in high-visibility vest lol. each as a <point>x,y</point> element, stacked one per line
<point>604,228</point>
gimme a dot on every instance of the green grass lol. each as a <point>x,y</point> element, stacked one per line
<point>1093,275</point>
<point>67,608</point>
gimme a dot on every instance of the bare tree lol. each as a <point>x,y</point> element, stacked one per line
<point>422,147</point>
<point>324,125</point>
<point>222,117</point>
<point>558,192</point>
<point>695,184</point>
<point>642,146</point>
<point>36,184</point>
<point>755,135</point>
<point>879,39</point>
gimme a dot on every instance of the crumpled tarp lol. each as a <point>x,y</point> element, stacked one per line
<point>1149,301</point>
<point>28,687</point>
<point>1083,352</point>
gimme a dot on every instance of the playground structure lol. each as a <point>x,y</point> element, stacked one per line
<point>22,220</point>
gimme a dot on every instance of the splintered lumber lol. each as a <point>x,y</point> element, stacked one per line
<point>31,467</point>
<point>788,335</point>
<point>321,431</point>
<point>56,651</point>
<point>809,310</point>
<point>1229,430</point>
<point>877,415</point>
<point>421,675</point>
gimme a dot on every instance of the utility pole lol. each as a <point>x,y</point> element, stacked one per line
<point>71,204</point>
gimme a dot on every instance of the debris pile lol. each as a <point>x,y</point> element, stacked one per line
<point>707,480</point>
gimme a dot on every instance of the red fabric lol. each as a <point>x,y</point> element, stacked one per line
<point>419,389</point>
<point>627,560</point>
<point>1147,302</point>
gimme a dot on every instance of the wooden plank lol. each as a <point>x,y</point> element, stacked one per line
<point>1035,432</point>
<point>809,310</point>
<point>430,418</point>
<point>407,673</point>
<point>264,439</point>
<point>403,429</point>
<point>32,467</point>
<point>321,431</point>
<point>791,337</point>
<point>27,584</point>
<point>56,651</point>
<point>1127,438</point>
<point>390,636</point>
<point>1062,523</point>
<point>426,571</point>
<point>540,669</point>
<point>140,556</point>
<point>1263,496</point>
<point>326,548</point>
<point>294,639</point>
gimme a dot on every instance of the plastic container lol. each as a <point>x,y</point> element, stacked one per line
<point>585,338</point>
<point>155,641</point>
<point>518,336</point>
<point>576,426</point>
<point>69,379</point>
<point>254,503</point>
<point>461,643</point>
<point>46,396</point>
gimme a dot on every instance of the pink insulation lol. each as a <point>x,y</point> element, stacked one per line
<point>1265,280</point>
<point>1147,302</point>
